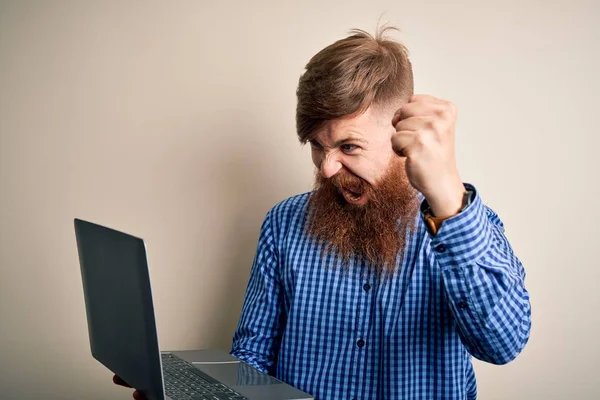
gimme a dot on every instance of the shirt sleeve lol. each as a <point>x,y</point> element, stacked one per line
<point>484,282</point>
<point>258,334</point>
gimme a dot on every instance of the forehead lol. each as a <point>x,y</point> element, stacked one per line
<point>362,126</point>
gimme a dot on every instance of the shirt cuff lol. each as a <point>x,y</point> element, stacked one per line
<point>464,237</point>
<point>435,223</point>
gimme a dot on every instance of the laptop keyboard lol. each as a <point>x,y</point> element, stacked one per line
<point>183,381</point>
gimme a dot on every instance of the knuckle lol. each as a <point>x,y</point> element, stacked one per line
<point>444,112</point>
<point>451,108</point>
<point>438,127</point>
<point>422,139</point>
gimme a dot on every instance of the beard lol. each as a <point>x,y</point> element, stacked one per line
<point>375,231</point>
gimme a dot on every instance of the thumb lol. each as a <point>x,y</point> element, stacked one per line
<point>137,395</point>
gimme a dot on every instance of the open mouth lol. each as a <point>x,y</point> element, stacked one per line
<point>353,197</point>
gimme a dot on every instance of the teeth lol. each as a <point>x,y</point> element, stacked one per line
<point>352,196</point>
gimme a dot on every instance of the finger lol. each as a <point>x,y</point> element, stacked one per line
<point>117,380</point>
<point>397,116</point>
<point>415,124</point>
<point>402,141</point>
<point>422,109</point>
<point>137,395</point>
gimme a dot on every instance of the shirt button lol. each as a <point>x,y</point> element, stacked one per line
<point>360,343</point>
<point>462,305</point>
<point>440,248</point>
<point>366,287</point>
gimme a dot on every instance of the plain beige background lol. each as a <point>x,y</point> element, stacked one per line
<point>174,121</point>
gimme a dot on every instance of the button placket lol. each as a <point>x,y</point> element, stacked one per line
<point>363,319</point>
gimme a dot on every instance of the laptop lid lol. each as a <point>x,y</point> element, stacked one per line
<point>118,300</point>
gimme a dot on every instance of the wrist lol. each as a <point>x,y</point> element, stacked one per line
<point>447,203</point>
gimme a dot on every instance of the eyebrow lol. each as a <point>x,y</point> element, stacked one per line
<point>340,142</point>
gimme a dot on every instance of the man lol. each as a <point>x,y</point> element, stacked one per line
<point>387,278</point>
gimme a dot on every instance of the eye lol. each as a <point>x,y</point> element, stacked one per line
<point>348,148</point>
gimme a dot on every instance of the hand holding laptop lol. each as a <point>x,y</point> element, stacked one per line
<point>137,395</point>
<point>114,272</point>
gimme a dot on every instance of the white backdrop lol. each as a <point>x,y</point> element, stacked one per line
<point>174,121</point>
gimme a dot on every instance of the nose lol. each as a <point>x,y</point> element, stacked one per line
<point>330,166</point>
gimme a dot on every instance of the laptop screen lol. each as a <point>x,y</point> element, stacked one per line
<point>119,306</point>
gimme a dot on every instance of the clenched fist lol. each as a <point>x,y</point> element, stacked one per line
<point>425,136</point>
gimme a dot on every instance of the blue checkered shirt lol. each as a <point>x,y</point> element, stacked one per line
<point>348,334</point>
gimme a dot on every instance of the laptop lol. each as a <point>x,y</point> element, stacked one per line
<point>123,335</point>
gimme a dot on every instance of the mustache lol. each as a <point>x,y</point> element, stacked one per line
<point>348,181</point>
<point>343,180</point>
